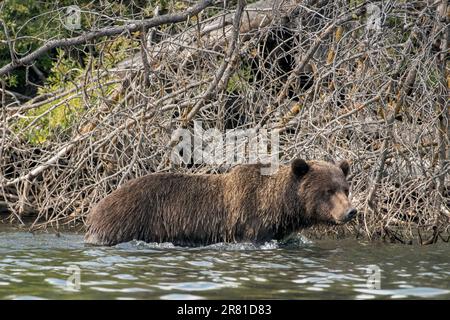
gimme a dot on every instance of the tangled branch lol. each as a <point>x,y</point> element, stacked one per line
<point>331,78</point>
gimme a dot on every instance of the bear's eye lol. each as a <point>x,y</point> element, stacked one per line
<point>330,192</point>
<point>346,190</point>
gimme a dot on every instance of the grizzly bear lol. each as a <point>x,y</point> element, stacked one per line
<point>242,205</point>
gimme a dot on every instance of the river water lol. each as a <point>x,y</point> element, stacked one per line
<point>46,266</point>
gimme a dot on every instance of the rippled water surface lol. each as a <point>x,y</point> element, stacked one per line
<point>44,266</point>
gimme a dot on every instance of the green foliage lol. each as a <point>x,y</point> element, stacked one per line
<point>432,78</point>
<point>63,71</point>
<point>30,23</point>
<point>58,117</point>
<point>240,79</point>
<point>117,50</point>
<point>50,121</point>
<point>11,80</point>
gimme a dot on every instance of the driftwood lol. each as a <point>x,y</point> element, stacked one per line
<point>375,94</point>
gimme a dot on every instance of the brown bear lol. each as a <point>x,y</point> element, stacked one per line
<point>240,206</point>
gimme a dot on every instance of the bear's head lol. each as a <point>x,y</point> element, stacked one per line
<point>323,190</point>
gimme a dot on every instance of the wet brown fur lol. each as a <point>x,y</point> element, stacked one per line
<point>241,205</point>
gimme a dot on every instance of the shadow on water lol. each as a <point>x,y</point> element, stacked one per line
<point>46,266</point>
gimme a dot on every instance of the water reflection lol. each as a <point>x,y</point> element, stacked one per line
<point>38,266</point>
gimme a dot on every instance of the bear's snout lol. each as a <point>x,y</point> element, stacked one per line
<point>350,214</point>
<point>346,216</point>
<point>341,209</point>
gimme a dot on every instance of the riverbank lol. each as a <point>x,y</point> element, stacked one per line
<point>404,235</point>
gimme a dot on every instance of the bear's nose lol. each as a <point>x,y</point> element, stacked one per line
<point>351,213</point>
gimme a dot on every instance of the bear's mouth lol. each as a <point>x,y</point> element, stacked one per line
<point>340,222</point>
<point>336,222</point>
<point>329,223</point>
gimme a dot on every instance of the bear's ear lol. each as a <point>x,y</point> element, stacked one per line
<point>345,167</point>
<point>299,167</point>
